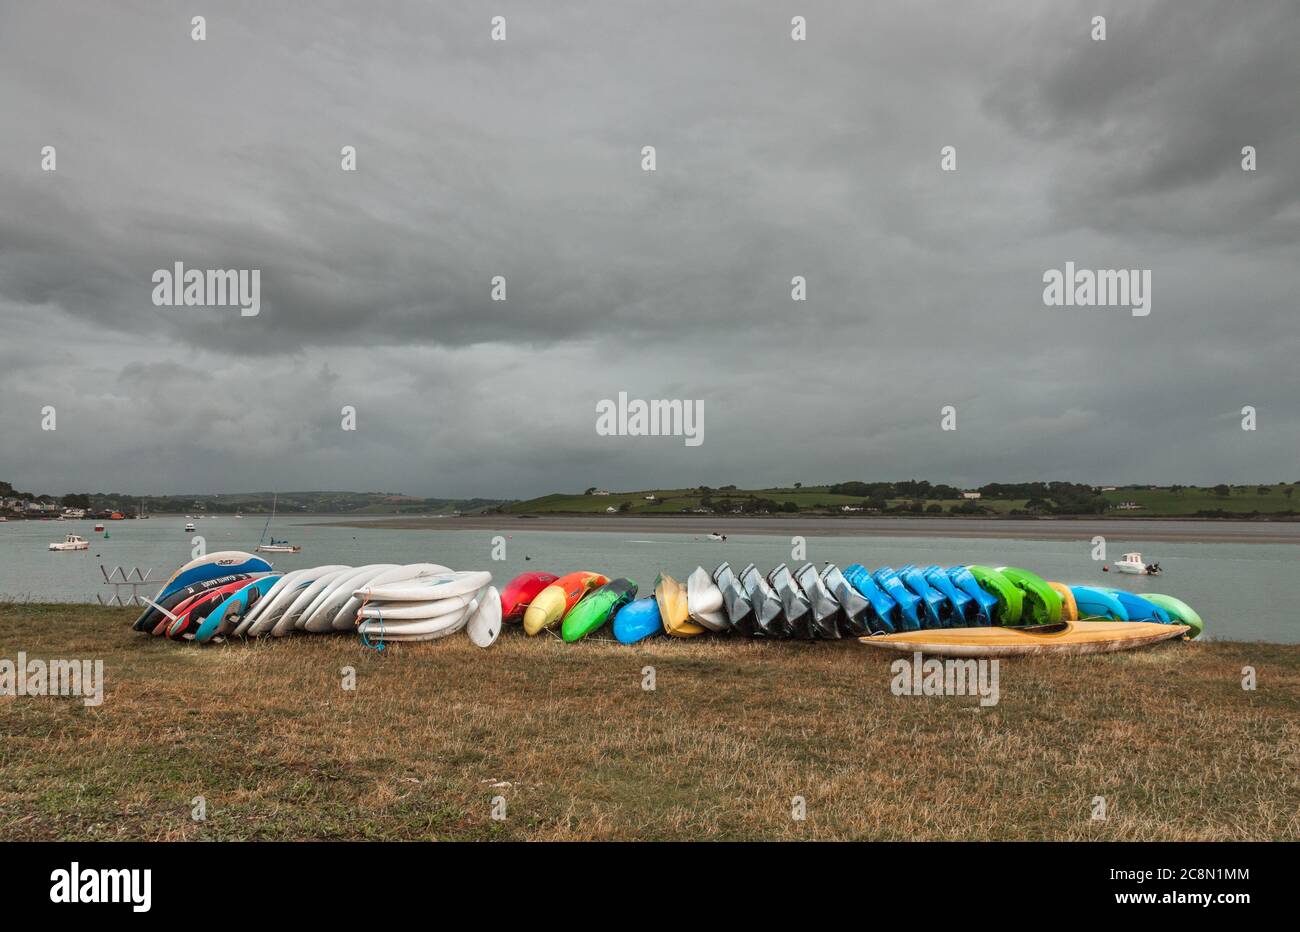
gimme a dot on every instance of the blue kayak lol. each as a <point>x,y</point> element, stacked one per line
<point>938,613</point>
<point>886,618</point>
<point>1098,603</point>
<point>637,621</point>
<point>1138,608</point>
<point>965,580</point>
<point>908,604</point>
<point>965,610</point>
<point>235,607</point>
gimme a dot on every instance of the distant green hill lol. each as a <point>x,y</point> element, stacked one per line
<point>921,498</point>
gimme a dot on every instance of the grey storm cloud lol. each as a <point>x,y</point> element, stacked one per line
<point>522,158</point>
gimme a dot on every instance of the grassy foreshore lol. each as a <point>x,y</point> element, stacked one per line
<point>579,750</point>
<point>1163,530</point>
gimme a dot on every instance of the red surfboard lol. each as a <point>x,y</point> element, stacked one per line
<point>189,618</point>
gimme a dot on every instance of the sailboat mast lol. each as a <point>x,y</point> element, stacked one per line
<point>274,499</point>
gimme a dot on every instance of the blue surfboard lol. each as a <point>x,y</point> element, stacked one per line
<point>235,607</point>
<point>225,563</point>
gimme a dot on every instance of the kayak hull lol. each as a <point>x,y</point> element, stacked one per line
<point>1041,604</point>
<point>673,608</point>
<point>596,608</point>
<point>1179,611</point>
<point>1010,599</point>
<point>1069,608</point>
<point>519,594</point>
<point>1075,637</point>
<point>553,602</point>
<point>637,621</point>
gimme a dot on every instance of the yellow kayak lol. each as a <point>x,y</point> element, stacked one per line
<point>1067,637</point>
<point>552,603</point>
<point>1069,608</point>
<point>671,596</point>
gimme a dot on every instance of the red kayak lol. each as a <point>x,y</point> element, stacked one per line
<point>520,592</point>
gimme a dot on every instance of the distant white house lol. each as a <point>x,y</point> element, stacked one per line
<point>972,496</point>
<point>850,508</point>
<point>611,508</point>
<point>649,498</point>
<point>600,492</point>
<point>1107,488</point>
<point>1128,506</point>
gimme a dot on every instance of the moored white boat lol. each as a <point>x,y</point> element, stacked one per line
<point>1136,566</point>
<point>71,542</point>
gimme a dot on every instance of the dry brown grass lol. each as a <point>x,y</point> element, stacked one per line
<point>734,730</point>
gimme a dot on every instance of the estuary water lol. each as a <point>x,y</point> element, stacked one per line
<point>1242,591</point>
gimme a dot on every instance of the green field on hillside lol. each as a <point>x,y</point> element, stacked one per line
<point>1155,502</point>
<point>1241,499</point>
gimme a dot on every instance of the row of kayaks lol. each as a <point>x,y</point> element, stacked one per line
<point>825,603</point>
<point>237,594</point>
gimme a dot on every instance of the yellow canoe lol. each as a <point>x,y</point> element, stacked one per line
<point>1069,608</point>
<point>671,597</point>
<point>1068,637</point>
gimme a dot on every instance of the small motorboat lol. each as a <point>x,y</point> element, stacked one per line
<point>71,542</point>
<point>99,527</point>
<point>189,525</point>
<point>717,537</point>
<point>1134,565</point>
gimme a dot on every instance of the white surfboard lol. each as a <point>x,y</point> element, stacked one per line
<point>427,629</point>
<point>346,618</point>
<point>281,584</point>
<point>485,624</point>
<point>415,611</point>
<point>427,588</point>
<point>320,617</point>
<point>272,608</point>
<point>324,576</point>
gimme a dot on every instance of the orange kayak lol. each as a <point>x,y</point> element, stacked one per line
<point>553,603</point>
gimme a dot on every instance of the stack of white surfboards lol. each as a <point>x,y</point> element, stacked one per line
<point>431,605</point>
<point>415,602</point>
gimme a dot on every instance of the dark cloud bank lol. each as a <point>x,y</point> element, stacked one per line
<point>522,159</point>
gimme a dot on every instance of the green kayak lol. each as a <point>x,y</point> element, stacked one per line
<point>1042,603</point>
<point>1180,611</point>
<point>1010,599</point>
<point>596,608</point>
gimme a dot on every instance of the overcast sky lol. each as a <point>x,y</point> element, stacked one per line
<point>522,158</point>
